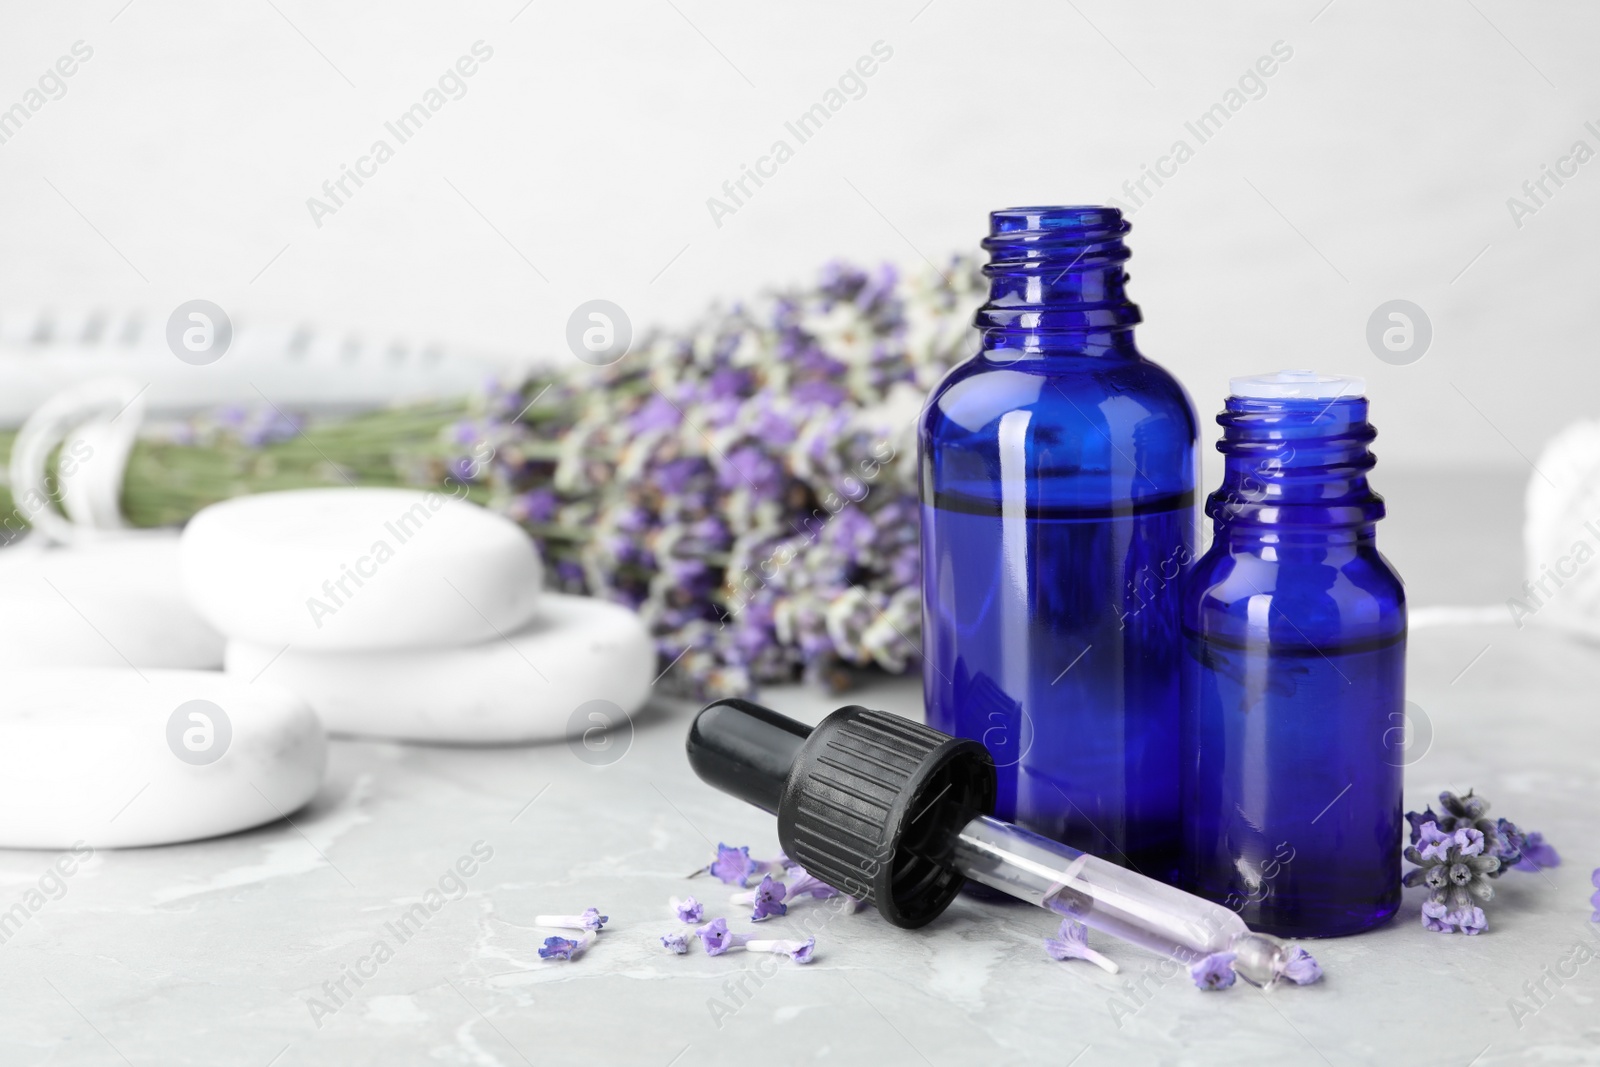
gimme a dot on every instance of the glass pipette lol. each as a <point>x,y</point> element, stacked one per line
<point>896,813</point>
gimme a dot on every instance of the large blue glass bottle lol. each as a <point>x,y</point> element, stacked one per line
<point>1294,670</point>
<point>1058,469</point>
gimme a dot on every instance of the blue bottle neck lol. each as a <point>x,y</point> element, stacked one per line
<point>1057,285</point>
<point>1295,472</point>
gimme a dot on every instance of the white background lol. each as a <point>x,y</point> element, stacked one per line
<point>1377,166</point>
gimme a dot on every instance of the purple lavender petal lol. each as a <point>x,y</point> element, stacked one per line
<point>714,936</point>
<point>769,899</point>
<point>733,866</point>
<point>1435,843</point>
<point>1214,971</point>
<point>1470,842</point>
<point>1299,967</point>
<point>559,948</point>
<point>658,413</point>
<point>1538,853</point>
<point>1435,916</point>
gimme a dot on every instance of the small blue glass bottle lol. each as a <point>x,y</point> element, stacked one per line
<point>1294,670</point>
<point>1057,480</point>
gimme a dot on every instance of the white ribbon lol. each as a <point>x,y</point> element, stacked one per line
<point>95,425</point>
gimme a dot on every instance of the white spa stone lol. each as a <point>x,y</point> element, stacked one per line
<point>359,569</point>
<point>111,603</point>
<point>536,684</point>
<point>117,758</point>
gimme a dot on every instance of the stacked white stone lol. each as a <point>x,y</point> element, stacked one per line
<point>408,614</point>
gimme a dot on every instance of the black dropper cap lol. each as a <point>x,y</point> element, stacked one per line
<point>866,801</point>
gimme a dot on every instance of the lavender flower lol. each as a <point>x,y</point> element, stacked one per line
<point>1467,810</point>
<point>1594,901</point>
<point>1471,812</point>
<point>1437,844</point>
<point>678,943</point>
<point>717,939</point>
<point>1537,853</point>
<point>1299,966</point>
<point>591,919</point>
<point>1508,845</point>
<point>1502,838</point>
<point>1214,971</point>
<point>1072,943</point>
<point>799,951</point>
<point>733,866</point>
<point>534,508</point>
<point>1456,869</point>
<point>767,899</point>
<point>1419,819</point>
<point>559,948</point>
<point>688,910</point>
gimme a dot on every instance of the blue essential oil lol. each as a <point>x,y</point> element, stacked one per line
<point>1294,670</point>
<point>1057,471</point>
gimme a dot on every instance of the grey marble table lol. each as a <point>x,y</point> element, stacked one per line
<point>220,952</point>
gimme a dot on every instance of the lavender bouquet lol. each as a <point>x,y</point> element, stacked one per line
<point>749,484</point>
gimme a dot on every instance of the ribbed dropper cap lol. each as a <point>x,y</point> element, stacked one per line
<point>870,803</point>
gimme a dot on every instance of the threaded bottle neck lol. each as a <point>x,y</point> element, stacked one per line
<point>1057,283</point>
<point>1295,464</point>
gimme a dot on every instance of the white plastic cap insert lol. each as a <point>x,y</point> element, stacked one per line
<point>1297,385</point>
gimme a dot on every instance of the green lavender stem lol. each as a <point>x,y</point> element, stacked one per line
<point>167,482</point>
